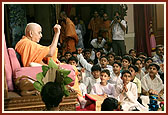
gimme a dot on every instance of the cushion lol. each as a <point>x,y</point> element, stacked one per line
<point>27,71</point>
<point>13,59</point>
<point>8,69</point>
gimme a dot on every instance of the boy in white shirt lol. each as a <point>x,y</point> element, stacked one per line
<point>133,70</point>
<point>95,78</point>
<point>151,82</point>
<point>140,74</point>
<point>116,75</point>
<point>125,62</point>
<point>98,42</point>
<point>103,88</point>
<point>126,93</point>
<point>147,61</point>
<point>104,64</point>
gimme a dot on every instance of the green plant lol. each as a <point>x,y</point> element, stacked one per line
<point>53,73</point>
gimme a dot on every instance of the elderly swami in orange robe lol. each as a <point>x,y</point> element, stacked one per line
<point>31,51</point>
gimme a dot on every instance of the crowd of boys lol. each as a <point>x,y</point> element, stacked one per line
<point>124,77</point>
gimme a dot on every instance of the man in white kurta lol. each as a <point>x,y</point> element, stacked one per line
<point>98,42</point>
<point>129,99</point>
<point>156,84</point>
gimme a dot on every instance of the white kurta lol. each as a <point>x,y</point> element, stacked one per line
<point>115,79</point>
<point>129,99</point>
<point>90,81</point>
<point>140,75</point>
<point>156,84</point>
<point>99,89</point>
<point>84,63</point>
<point>95,44</point>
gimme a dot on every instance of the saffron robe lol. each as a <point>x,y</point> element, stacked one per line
<point>94,26</point>
<point>106,30</point>
<point>68,36</point>
<point>32,52</point>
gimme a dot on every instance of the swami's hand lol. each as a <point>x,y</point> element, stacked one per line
<point>57,28</point>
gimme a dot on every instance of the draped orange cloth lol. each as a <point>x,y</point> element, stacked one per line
<point>68,36</point>
<point>106,30</point>
<point>32,52</point>
<point>94,25</point>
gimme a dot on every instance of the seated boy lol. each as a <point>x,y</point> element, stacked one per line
<point>151,82</point>
<point>125,62</point>
<point>126,93</point>
<point>111,57</point>
<point>116,75</point>
<point>100,91</point>
<point>73,61</point>
<point>147,61</point>
<point>140,74</point>
<point>52,95</point>
<point>132,52</point>
<point>95,78</point>
<point>103,88</point>
<point>133,70</point>
<point>110,104</point>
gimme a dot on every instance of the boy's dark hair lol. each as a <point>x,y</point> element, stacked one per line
<point>103,54</point>
<point>106,71</point>
<point>89,60</point>
<point>95,68</point>
<point>126,54</point>
<point>148,58</point>
<point>117,63</point>
<point>156,65</point>
<point>67,53</point>
<point>127,58</point>
<point>111,53</point>
<point>125,71</point>
<point>73,59</point>
<point>98,50</point>
<point>74,53</point>
<point>142,53</point>
<point>86,50</point>
<point>132,50</point>
<point>117,58</point>
<point>103,57</point>
<point>141,57</point>
<point>63,60</point>
<point>134,67</point>
<point>109,104</point>
<point>52,94</point>
<point>137,59</point>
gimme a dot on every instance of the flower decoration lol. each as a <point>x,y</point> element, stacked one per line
<point>53,73</point>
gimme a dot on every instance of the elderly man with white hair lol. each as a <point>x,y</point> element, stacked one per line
<point>31,51</point>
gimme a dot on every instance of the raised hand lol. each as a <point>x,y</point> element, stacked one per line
<point>57,28</point>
